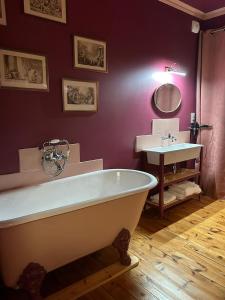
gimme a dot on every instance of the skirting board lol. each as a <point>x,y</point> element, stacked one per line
<point>93,281</point>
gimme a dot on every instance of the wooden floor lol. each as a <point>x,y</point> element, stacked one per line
<point>182,257</point>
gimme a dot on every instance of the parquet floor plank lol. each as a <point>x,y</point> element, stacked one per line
<point>181,256</point>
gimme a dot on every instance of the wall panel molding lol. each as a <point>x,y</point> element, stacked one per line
<point>194,11</point>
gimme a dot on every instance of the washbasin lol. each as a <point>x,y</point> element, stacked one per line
<point>173,153</point>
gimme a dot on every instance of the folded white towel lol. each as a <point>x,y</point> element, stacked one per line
<point>184,184</point>
<point>178,195</point>
<point>187,191</point>
<point>186,188</point>
<point>167,197</point>
<point>197,190</point>
<point>187,182</point>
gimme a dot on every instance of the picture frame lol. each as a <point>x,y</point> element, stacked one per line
<point>23,70</point>
<point>51,10</point>
<point>80,95</point>
<point>2,13</point>
<point>90,54</point>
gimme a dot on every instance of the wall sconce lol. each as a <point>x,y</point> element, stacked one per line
<point>172,70</point>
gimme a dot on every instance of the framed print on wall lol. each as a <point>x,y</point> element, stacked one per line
<point>54,10</point>
<point>79,95</point>
<point>90,54</point>
<point>2,13</point>
<point>23,70</point>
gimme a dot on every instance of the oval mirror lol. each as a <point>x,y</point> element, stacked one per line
<point>167,98</point>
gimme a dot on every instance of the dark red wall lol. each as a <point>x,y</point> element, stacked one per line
<point>142,37</point>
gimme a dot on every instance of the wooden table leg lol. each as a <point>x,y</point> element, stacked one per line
<point>200,166</point>
<point>161,185</point>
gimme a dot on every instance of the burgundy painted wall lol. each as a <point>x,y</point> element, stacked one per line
<point>205,5</point>
<point>142,37</point>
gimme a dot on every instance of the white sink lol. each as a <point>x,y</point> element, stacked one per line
<point>173,153</point>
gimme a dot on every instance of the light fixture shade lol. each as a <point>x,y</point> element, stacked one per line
<point>174,71</point>
<point>195,26</point>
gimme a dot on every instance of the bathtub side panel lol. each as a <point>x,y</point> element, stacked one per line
<point>58,240</point>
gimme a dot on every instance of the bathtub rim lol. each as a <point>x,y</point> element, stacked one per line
<point>78,206</point>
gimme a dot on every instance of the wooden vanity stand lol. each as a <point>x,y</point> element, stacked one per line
<point>167,179</point>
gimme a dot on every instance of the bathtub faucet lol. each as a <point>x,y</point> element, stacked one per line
<point>55,154</point>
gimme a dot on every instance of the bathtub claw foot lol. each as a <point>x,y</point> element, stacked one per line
<point>121,243</point>
<point>31,280</point>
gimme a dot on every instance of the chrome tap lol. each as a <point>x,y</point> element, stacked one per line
<point>169,138</point>
<point>172,138</point>
<point>53,158</point>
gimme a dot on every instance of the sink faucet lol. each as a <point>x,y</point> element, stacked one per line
<point>170,138</point>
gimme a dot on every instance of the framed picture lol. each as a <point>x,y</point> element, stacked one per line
<point>23,70</point>
<point>2,12</point>
<point>90,54</point>
<point>54,10</point>
<point>79,95</point>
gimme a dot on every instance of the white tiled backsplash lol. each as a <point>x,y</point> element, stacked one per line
<point>163,127</point>
<point>160,128</point>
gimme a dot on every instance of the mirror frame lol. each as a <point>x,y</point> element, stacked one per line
<point>156,93</point>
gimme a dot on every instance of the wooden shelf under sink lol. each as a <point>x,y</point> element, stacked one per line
<point>183,174</point>
<point>174,202</point>
<point>171,178</point>
<point>166,179</point>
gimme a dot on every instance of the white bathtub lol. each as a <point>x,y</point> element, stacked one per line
<point>57,222</point>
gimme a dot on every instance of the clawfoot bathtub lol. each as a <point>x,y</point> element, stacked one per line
<point>57,222</point>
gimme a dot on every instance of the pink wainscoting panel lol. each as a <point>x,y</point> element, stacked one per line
<point>14,180</point>
<point>30,159</point>
<point>18,180</point>
<point>31,171</point>
<point>81,168</point>
<point>165,126</point>
<point>90,166</point>
<point>183,137</point>
<point>148,141</point>
<point>34,177</point>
